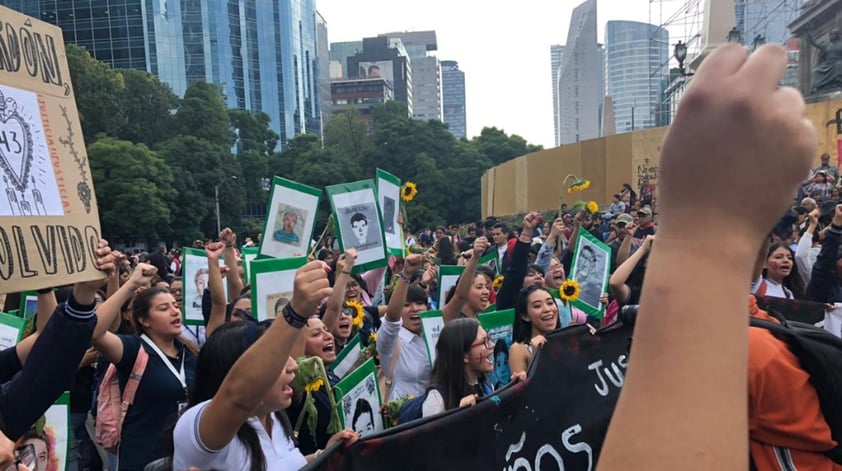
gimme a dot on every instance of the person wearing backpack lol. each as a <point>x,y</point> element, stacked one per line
<point>164,382</point>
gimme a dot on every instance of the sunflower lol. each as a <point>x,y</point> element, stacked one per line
<point>579,185</point>
<point>408,191</point>
<point>373,337</point>
<point>569,290</point>
<point>315,385</point>
<point>592,207</point>
<point>497,283</point>
<point>359,313</point>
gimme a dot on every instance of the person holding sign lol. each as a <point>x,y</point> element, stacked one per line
<point>42,366</point>
<point>400,343</point>
<point>164,386</point>
<point>473,289</point>
<point>243,383</point>
<point>684,402</point>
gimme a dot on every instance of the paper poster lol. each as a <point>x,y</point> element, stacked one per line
<point>448,276</point>
<point>358,398</point>
<point>49,438</point>
<point>590,268</point>
<point>431,323</point>
<point>11,330</point>
<point>499,325</point>
<point>388,197</point>
<point>290,218</point>
<point>49,223</point>
<point>358,223</point>
<point>272,284</point>
<point>194,273</point>
<point>349,358</point>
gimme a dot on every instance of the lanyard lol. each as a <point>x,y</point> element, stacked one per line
<point>178,374</point>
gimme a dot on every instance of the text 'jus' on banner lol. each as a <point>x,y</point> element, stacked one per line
<point>555,420</point>
<point>49,225</point>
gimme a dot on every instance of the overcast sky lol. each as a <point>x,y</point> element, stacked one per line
<point>503,47</point>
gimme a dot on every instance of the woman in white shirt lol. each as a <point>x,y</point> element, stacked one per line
<point>243,377</point>
<point>403,352</point>
<point>780,274</point>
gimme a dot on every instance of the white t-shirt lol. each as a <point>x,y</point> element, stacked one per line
<point>281,453</point>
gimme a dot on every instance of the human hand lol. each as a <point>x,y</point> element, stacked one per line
<point>228,237</point>
<point>412,264</point>
<point>647,243</point>
<point>214,251</point>
<point>538,341</point>
<point>430,275</point>
<point>734,119</point>
<point>813,216</point>
<point>107,262</point>
<point>469,400</point>
<point>346,261</point>
<point>142,276</point>
<point>480,246</point>
<point>837,216</point>
<point>530,221</point>
<point>631,229</point>
<point>310,287</point>
<point>519,376</point>
<point>557,229</point>
<point>604,299</point>
<point>348,436</point>
<point>7,451</point>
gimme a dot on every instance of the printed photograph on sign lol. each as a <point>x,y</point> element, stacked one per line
<point>388,196</point>
<point>195,279</point>
<point>289,219</point>
<point>360,400</point>
<point>431,323</point>
<point>48,439</point>
<point>500,328</point>
<point>591,270</point>
<point>11,330</point>
<point>272,284</point>
<point>29,183</point>
<point>356,216</point>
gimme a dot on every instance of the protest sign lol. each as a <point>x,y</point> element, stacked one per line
<point>49,224</point>
<point>388,197</point>
<point>272,285</point>
<point>499,325</point>
<point>358,398</point>
<point>290,219</point>
<point>358,223</point>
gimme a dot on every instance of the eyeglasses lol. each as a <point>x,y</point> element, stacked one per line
<point>351,286</point>
<point>176,291</point>
<point>24,455</point>
<point>487,342</point>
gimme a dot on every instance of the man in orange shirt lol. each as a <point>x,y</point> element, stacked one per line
<point>787,429</point>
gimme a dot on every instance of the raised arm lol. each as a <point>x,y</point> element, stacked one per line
<point>617,283</point>
<point>624,251</point>
<point>231,257</point>
<point>513,280</point>
<point>343,274</point>
<point>805,243</point>
<point>46,305</point>
<point>732,120</point>
<point>257,370</point>
<point>545,255</point>
<point>214,251</point>
<point>454,307</point>
<point>397,301</point>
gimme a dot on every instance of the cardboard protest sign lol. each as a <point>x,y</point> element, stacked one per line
<point>49,224</point>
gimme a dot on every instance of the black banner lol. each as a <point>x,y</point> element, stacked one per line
<point>555,420</point>
<point>794,310</point>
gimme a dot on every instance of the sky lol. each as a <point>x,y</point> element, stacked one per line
<point>502,46</point>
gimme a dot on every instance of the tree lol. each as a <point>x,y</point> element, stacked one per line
<point>97,90</point>
<point>204,116</point>
<point>499,147</point>
<point>253,131</point>
<point>197,167</point>
<point>133,189</point>
<point>148,106</point>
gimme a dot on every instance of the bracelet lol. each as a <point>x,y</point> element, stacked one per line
<point>228,246</point>
<point>404,278</point>
<point>346,272</point>
<point>834,226</point>
<point>293,318</point>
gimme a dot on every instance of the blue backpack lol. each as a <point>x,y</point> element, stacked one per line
<point>413,408</point>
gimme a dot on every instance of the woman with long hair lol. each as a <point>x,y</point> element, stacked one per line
<point>536,314</point>
<point>472,293</point>
<point>780,274</point>
<point>235,418</point>
<point>464,357</point>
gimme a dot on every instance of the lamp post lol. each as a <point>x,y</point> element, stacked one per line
<point>679,51</point>
<point>216,201</point>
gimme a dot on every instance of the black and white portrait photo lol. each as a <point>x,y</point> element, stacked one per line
<point>590,270</point>
<point>357,216</point>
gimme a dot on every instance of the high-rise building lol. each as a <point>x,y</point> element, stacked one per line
<point>426,72</point>
<point>765,18</point>
<point>323,73</point>
<point>453,98</point>
<point>580,79</point>
<point>361,94</point>
<point>262,53</point>
<point>636,60</point>
<point>556,56</point>
<point>340,52</point>
<point>387,58</point>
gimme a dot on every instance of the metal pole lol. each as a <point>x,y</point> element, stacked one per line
<point>216,199</point>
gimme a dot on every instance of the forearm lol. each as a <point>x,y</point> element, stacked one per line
<point>108,313</point>
<point>50,368</point>
<point>235,283</point>
<point>452,308</point>
<point>624,271</point>
<point>513,280</point>
<point>397,300</point>
<point>545,255</point>
<point>46,305</point>
<point>334,302</point>
<point>668,348</point>
<point>624,251</point>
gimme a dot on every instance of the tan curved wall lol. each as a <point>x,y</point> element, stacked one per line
<point>533,181</point>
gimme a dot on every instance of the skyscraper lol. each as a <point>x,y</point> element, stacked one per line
<point>323,73</point>
<point>341,51</point>
<point>580,79</point>
<point>636,60</point>
<point>426,72</point>
<point>556,56</point>
<point>262,53</point>
<point>453,98</point>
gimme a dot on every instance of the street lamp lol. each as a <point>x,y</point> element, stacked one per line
<point>679,51</point>
<point>757,42</point>
<point>216,200</point>
<point>734,36</point>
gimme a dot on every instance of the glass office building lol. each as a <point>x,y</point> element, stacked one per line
<point>636,61</point>
<point>453,98</point>
<point>262,53</point>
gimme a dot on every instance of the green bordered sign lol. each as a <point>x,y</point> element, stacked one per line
<point>249,255</point>
<point>356,215</point>
<point>53,428</point>
<point>389,200</point>
<point>11,330</point>
<point>431,322</point>
<point>448,276</point>
<point>194,276</point>
<point>590,268</point>
<point>349,358</point>
<point>358,400</point>
<point>272,282</point>
<point>290,218</point>
<point>492,260</point>
<point>499,325</point>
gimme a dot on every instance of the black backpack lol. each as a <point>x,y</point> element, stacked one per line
<point>820,355</point>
